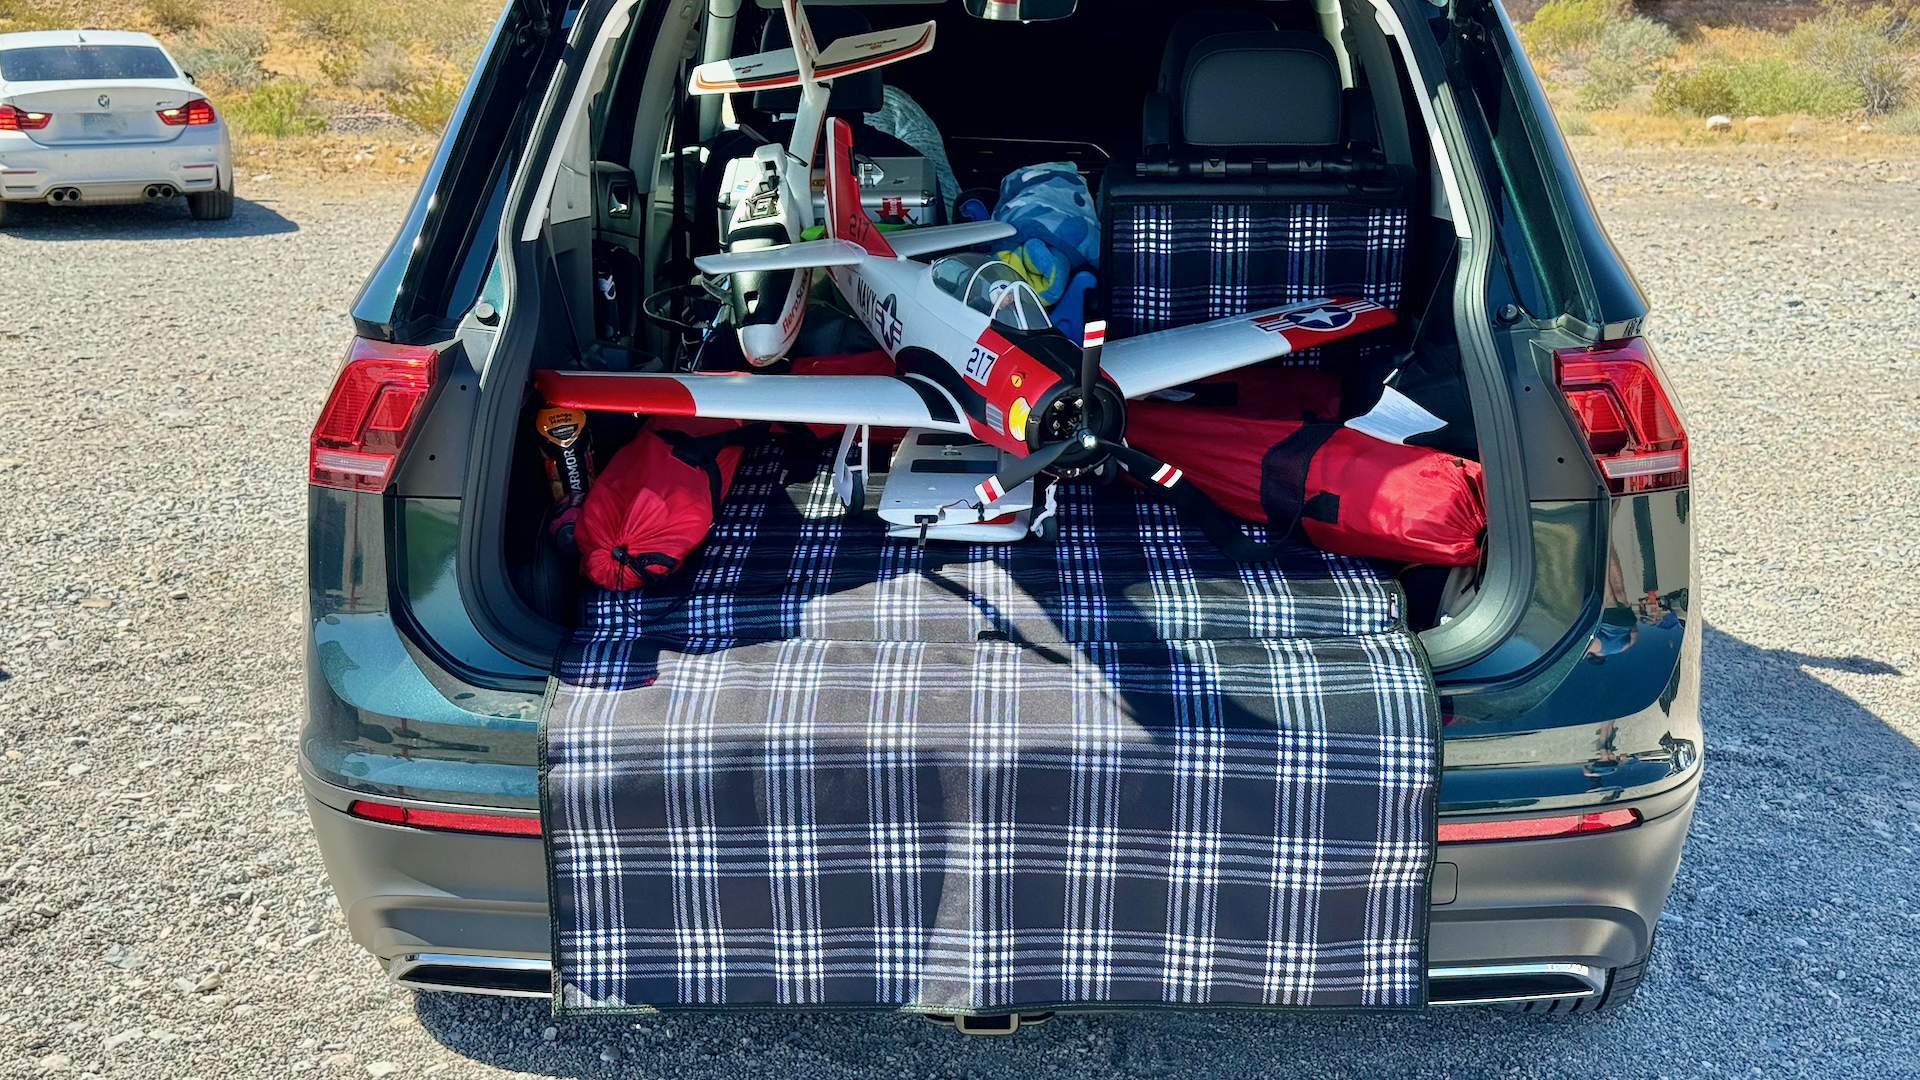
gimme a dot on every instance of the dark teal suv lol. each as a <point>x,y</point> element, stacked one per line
<point>559,217</point>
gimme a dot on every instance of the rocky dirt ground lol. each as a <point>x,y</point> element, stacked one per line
<point>163,912</point>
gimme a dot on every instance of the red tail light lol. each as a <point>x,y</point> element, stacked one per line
<point>1616,393</point>
<point>12,119</point>
<point>197,111</point>
<point>501,824</point>
<point>369,415</point>
<point>1537,828</point>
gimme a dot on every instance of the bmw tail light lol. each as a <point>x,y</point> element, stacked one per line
<point>197,111</point>
<point>16,119</point>
<point>1621,402</point>
<point>454,821</point>
<point>373,408</point>
<point>1537,828</point>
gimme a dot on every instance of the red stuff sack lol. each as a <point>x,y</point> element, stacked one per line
<point>655,501</point>
<point>1347,492</point>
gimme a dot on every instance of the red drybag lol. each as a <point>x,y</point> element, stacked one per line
<point>655,501</point>
<point>1349,492</point>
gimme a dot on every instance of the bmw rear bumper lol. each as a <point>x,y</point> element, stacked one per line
<point>420,899</point>
<point>199,160</point>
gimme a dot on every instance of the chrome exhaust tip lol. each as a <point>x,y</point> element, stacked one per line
<point>500,976</point>
<point>66,194</point>
<point>1504,984</point>
<point>160,191</point>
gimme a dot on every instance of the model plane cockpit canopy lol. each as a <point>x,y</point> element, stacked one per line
<point>992,288</point>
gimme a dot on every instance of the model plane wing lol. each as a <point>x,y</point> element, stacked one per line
<point>1151,362</point>
<point>908,243</point>
<point>800,256</point>
<point>877,400</point>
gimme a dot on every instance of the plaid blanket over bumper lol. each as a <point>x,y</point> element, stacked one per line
<point>822,768</point>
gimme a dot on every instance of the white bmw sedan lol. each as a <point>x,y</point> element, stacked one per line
<point>100,116</point>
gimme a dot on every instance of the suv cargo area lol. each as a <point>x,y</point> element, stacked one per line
<point>1207,161</point>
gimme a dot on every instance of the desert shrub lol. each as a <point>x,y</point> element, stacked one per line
<point>1575,123</point>
<point>385,66</point>
<point>224,55</point>
<point>18,16</point>
<point>1859,46</point>
<point>332,20</point>
<point>1703,91</point>
<point>277,109</point>
<point>339,68</point>
<point>428,103</point>
<point>1562,27</point>
<point>382,66</point>
<point>1755,85</point>
<point>1622,57</point>
<point>1904,122</point>
<point>175,16</point>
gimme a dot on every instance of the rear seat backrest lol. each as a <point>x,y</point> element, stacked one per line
<point>1250,197</point>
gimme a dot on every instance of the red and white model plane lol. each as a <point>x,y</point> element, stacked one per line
<point>975,352</point>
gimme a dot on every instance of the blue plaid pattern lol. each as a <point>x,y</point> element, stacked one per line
<point>820,767</point>
<point>1179,262</point>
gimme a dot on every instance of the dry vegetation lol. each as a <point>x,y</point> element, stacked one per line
<point>1848,73</point>
<point>342,85</point>
<point>327,85</point>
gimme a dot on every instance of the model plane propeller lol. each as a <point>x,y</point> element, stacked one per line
<point>975,352</point>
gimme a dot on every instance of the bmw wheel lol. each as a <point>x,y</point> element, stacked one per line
<point>215,205</point>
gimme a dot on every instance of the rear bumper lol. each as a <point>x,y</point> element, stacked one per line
<point>196,161</point>
<point>420,900</point>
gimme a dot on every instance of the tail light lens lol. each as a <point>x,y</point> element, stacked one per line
<point>371,412</point>
<point>498,824</point>
<point>14,119</point>
<point>1537,828</point>
<point>1616,393</point>
<point>197,111</point>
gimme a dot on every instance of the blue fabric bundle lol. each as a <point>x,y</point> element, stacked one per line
<point>1059,230</point>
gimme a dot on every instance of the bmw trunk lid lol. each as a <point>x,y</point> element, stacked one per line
<point>84,112</point>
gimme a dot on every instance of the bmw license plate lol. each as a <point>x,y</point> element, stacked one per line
<point>102,123</point>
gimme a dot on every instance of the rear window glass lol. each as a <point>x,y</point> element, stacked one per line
<point>48,63</point>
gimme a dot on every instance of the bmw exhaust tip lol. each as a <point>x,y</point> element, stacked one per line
<point>160,191</point>
<point>65,194</point>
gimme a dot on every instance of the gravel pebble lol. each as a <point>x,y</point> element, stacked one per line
<point>153,427</point>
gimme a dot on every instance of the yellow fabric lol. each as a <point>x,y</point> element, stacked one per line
<point>1041,280</point>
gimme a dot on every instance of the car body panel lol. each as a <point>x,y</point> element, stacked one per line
<point>1589,697</point>
<point>199,160</point>
<point>1591,899</point>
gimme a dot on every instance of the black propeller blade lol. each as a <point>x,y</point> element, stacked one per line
<point>1216,524</point>
<point>1021,471</point>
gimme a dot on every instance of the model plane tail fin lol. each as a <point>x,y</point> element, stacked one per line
<point>846,217</point>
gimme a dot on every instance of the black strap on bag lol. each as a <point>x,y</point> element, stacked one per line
<point>1283,480</point>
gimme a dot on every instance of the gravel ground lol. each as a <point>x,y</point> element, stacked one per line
<point>163,912</point>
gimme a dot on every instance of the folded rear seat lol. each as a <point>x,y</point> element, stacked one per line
<point>1257,184</point>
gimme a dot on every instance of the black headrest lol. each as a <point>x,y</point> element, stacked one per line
<point>862,92</point>
<point>1261,89</point>
<point>1190,28</point>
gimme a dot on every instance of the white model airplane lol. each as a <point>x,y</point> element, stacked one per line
<point>976,353</point>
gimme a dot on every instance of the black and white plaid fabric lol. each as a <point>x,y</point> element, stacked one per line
<point>1175,263</point>
<point>819,767</point>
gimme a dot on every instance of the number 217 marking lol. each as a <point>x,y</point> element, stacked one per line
<point>980,364</point>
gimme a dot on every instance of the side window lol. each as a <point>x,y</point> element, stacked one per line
<point>1533,236</point>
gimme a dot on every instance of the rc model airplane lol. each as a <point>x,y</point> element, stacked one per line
<point>975,352</point>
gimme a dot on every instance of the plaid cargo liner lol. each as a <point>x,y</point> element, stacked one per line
<point>1176,263</point>
<point>980,779</point>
